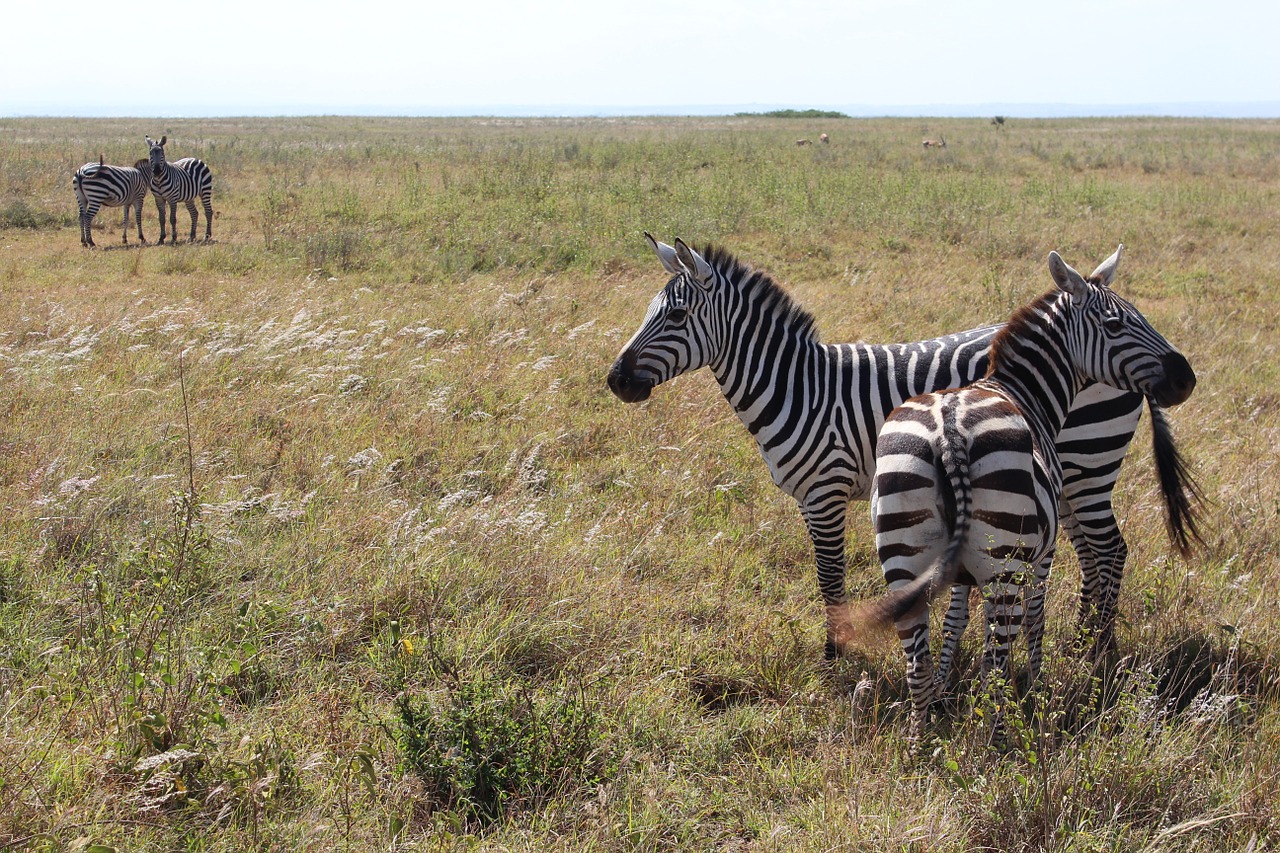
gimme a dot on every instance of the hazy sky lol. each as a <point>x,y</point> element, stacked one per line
<point>239,57</point>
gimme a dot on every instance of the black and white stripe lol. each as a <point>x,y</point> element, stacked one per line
<point>815,409</point>
<point>182,181</point>
<point>968,480</point>
<point>98,185</point>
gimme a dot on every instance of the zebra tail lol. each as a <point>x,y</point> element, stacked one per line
<point>1183,498</point>
<point>850,621</point>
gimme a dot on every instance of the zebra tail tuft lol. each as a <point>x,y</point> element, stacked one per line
<point>1184,500</point>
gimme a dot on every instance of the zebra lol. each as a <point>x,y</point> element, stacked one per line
<point>815,409</point>
<point>99,185</point>
<point>180,181</point>
<point>968,480</point>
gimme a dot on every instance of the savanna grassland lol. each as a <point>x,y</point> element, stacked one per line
<point>329,536</point>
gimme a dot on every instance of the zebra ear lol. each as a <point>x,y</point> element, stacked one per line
<point>694,264</point>
<point>1106,270</point>
<point>163,140</point>
<point>1067,279</point>
<point>666,255</point>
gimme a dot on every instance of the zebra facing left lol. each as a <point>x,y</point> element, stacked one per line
<point>182,181</point>
<point>98,185</point>
<point>968,481</point>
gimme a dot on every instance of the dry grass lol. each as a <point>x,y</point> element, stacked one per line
<point>406,464</point>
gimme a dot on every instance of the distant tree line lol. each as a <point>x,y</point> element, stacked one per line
<point>797,114</point>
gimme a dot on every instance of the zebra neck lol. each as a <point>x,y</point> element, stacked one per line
<point>1043,395</point>
<point>763,369</point>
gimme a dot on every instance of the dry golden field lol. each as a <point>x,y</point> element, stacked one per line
<point>329,536</point>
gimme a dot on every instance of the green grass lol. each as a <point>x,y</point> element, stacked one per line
<point>283,513</point>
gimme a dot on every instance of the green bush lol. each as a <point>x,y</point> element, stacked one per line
<point>491,746</point>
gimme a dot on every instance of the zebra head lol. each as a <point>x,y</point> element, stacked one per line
<point>677,334</point>
<point>156,154</point>
<point>1113,343</point>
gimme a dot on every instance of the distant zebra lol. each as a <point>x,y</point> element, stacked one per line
<point>181,181</point>
<point>814,410</point>
<point>968,480</point>
<point>99,185</point>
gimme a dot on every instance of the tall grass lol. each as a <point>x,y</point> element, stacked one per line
<point>399,501</point>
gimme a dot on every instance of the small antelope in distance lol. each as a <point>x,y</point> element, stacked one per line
<point>940,142</point>
<point>800,143</point>
<point>824,139</point>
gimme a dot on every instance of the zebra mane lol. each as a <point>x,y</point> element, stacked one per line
<point>1022,319</point>
<point>755,284</point>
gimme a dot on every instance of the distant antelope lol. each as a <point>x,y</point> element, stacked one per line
<point>824,139</point>
<point>800,143</point>
<point>940,142</point>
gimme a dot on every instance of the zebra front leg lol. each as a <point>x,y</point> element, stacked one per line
<point>825,517</point>
<point>125,238</point>
<point>191,208</point>
<point>160,211</point>
<point>1101,551</point>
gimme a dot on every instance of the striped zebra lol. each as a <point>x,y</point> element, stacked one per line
<point>815,409</point>
<point>968,480</point>
<point>98,185</point>
<point>180,181</point>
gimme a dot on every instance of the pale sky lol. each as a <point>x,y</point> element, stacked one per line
<point>467,57</point>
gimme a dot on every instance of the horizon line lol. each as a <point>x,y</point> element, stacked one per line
<point>1028,110</point>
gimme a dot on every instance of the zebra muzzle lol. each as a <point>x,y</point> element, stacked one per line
<point>626,386</point>
<point>1178,382</point>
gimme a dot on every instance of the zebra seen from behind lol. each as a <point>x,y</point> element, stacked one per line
<point>968,480</point>
<point>814,410</point>
<point>183,181</point>
<point>98,185</point>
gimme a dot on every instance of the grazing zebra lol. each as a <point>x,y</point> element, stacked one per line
<point>815,409</point>
<point>968,480</point>
<point>180,181</point>
<point>99,185</point>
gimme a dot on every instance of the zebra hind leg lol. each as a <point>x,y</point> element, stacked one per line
<point>913,632</point>
<point>1002,602</point>
<point>86,226</point>
<point>137,209</point>
<point>208,219</point>
<point>191,208</point>
<point>953,627</point>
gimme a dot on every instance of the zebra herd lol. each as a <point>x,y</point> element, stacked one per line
<point>99,185</point>
<point>966,486</point>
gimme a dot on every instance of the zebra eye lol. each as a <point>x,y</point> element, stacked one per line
<point>676,316</point>
<point>1113,324</point>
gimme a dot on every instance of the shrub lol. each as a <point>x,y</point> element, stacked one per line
<point>490,746</point>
